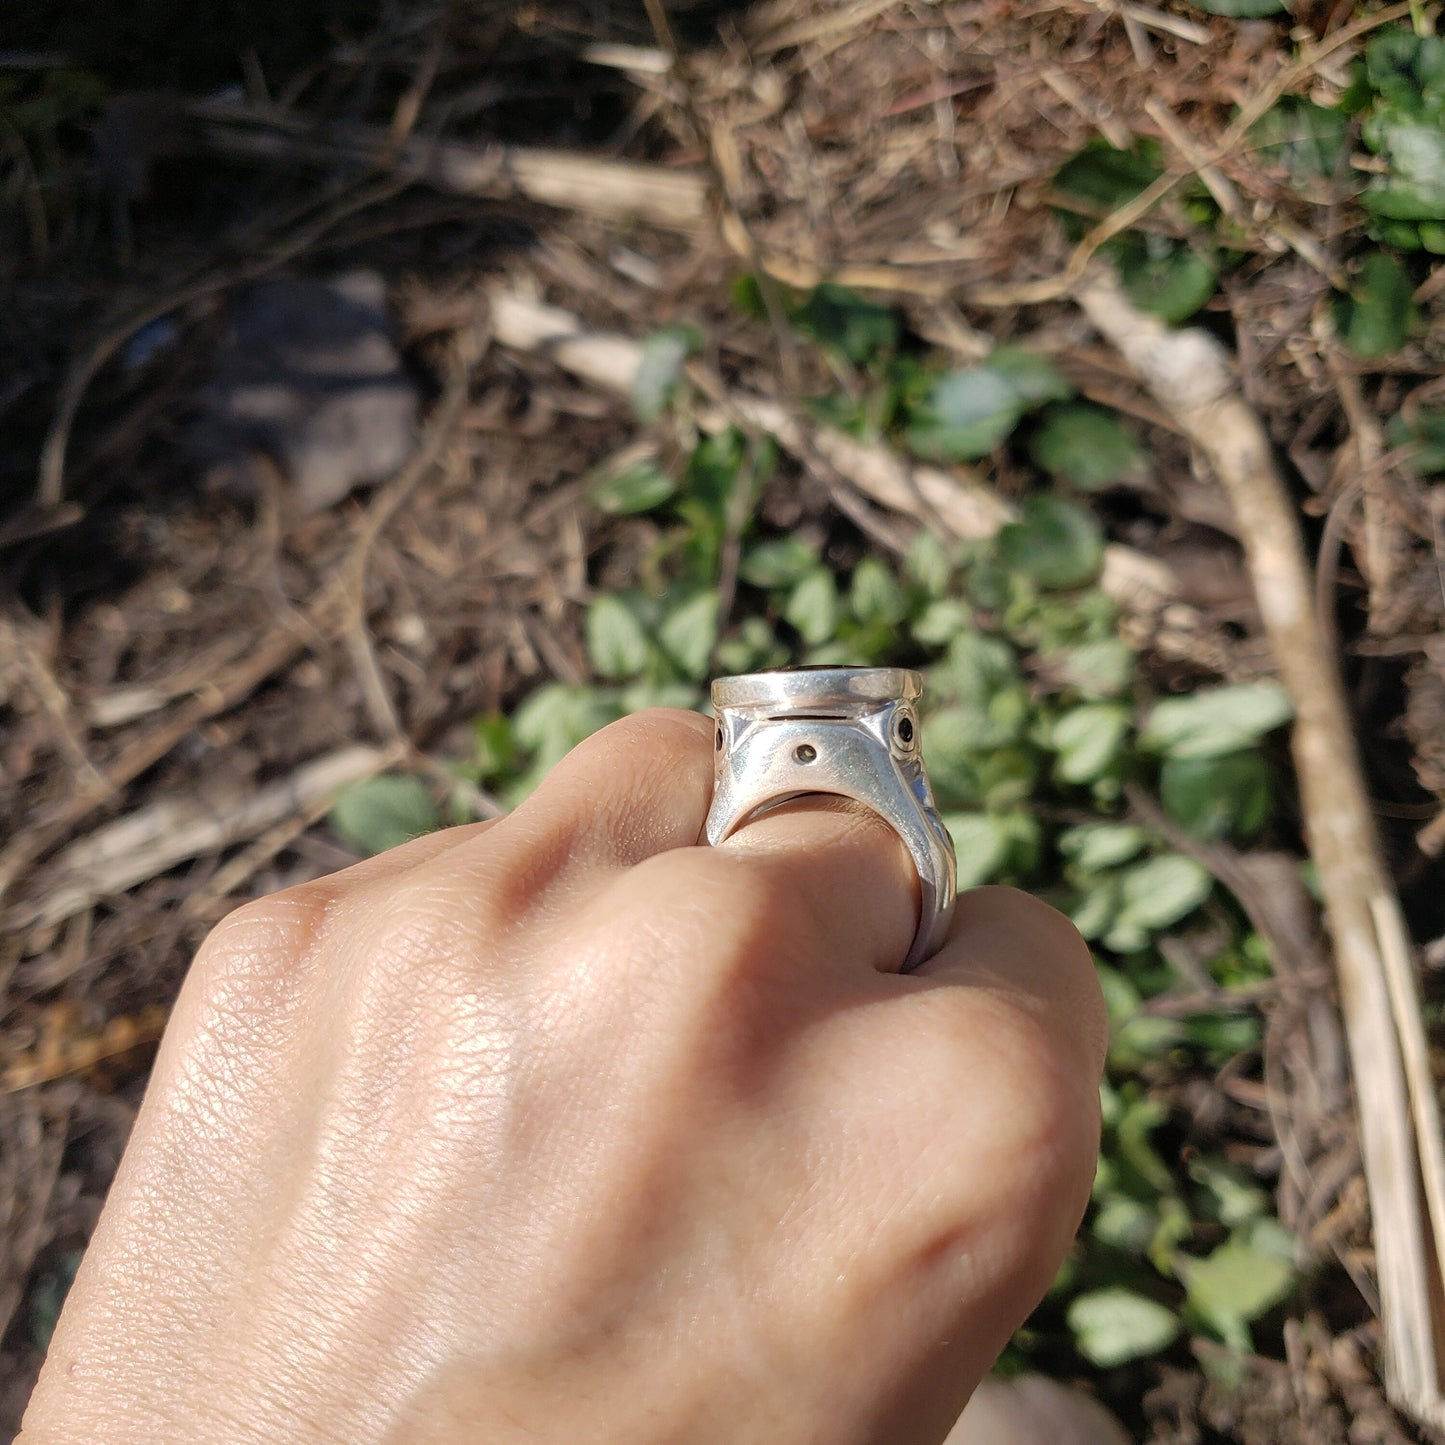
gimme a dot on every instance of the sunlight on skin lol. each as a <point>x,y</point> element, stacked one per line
<point>567,1128</point>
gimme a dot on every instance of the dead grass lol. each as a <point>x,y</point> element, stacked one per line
<point>158,642</point>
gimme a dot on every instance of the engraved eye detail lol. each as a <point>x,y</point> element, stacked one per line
<point>905,730</point>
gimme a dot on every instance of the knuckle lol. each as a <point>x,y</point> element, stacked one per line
<point>267,931</point>
<point>1039,932</point>
<point>721,929</point>
<point>654,727</point>
<point>662,738</point>
<point>1044,1102</point>
<point>752,899</point>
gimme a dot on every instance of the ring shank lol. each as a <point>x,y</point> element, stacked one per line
<point>788,689</point>
<point>828,731</point>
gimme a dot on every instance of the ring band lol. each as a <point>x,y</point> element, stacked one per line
<point>852,732</point>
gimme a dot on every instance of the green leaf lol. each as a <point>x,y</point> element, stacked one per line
<point>830,654</point>
<point>813,607</point>
<point>1036,379</point>
<point>1099,669</point>
<point>383,812</point>
<point>1242,9</point>
<point>1222,1037</point>
<point>777,562</point>
<point>977,667</point>
<point>1235,1284</point>
<point>967,414</point>
<point>1093,847</point>
<point>688,633</point>
<point>1106,177</point>
<point>1140,1115</point>
<point>637,696</point>
<point>1414,187</point>
<point>639,488</point>
<point>1153,895</point>
<point>1306,139</point>
<point>1424,437</point>
<point>875,596</point>
<point>981,845</point>
<point>1216,797</point>
<point>1086,446</point>
<point>1007,775</point>
<point>1056,543</point>
<point>1023,830</point>
<point>556,718</point>
<point>941,621</point>
<point>1169,279</point>
<point>617,639</point>
<point>1376,318</point>
<point>494,750</point>
<point>1088,739</point>
<point>1216,721</point>
<point>1093,911</point>
<point>713,471</point>
<point>1124,1223</point>
<point>660,369</point>
<point>839,318</point>
<point>1408,70</point>
<point>1236,1199</point>
<point>747,295</point>
<point>929,565</point>
<point>752,648</point>
<point>1114,1325</point>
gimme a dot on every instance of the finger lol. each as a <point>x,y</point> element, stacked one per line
<point>1014,947</point>
<point>308,902</point>
<point>639,786</point>
<point>416,853</point>
<point>975,1084</point>
<point>849,885</point>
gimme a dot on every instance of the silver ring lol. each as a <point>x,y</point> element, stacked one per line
<point>848,731</point>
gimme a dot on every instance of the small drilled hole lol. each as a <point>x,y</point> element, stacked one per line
<point>905,729</point>
<point>805,753</point>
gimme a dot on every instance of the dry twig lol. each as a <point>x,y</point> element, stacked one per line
<point>328,612</point>
<point>598,185</point>
<point>1054,288</point>
<point>156,837</point>
<point>1403,1153</point>
<point>960,500</point>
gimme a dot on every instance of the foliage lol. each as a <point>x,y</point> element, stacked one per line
<point>1422,434</point>
<point>1088,447</point>
<point>1398,91</point>
<point>1039,722</point>
<point>1171,278</point>
<point>660,369</point>
<point>1396,97</point>
<point>1376,316</point>
<point>384,812</point>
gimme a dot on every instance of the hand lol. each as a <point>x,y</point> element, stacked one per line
<point>563,1129</point>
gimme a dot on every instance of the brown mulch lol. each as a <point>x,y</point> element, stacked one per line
<point>163,639</point>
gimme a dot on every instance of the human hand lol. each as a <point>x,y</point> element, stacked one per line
<point>561,1128</point>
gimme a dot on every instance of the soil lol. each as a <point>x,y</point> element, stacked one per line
<point>166,633</point>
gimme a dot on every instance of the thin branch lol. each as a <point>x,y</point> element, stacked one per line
<point>1403,1152</point>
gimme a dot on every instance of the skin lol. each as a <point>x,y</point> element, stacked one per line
<point>563,1128</point>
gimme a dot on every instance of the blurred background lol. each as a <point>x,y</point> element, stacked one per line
<point>392,395</point>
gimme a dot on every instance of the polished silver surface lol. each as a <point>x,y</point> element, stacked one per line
<point>848,731</point>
